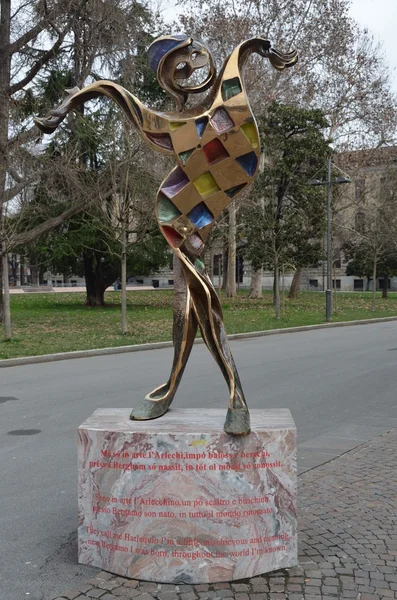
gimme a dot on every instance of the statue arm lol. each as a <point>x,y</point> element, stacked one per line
<point>145,120</point>
<point>234,64</point>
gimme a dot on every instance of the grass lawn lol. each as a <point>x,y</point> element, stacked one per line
<point>47,323</point>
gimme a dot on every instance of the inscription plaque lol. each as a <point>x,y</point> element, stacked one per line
<point>181,501</point>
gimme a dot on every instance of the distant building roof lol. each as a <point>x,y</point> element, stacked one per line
<point>371,157</point>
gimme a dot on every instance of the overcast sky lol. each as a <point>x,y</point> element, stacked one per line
<point>380,17</point>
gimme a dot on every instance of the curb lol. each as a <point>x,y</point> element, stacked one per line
<point>45,358</point>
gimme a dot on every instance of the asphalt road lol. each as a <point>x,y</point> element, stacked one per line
<point>340,385</point>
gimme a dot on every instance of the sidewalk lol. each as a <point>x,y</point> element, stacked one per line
<point>68,290</point>
<point>347,532</point>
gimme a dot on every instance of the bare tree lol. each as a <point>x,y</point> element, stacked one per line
<point>22,25</point>
<point>77,36</point>
<point>255,289</point>
<point>231,288</point>
<point>341,69</point>
<point>129,209</point>
<point>366,224</point>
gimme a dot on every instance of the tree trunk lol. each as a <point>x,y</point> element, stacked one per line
<point>295,283</point>
<point>7,309</point>
<point>231,289</point>
<point>1,289</point>
<point>95,294</point>
<point>220,270</point>
<point>373,305</point>
<point>225,262</point>
<point>334,307</point>
<point>283,292</point>
<point>124,324</point>
<point>385,286</point>
<point>208,262</point>
<point>255,290</point>
<point>95,287</point>
<point>21,271</point>
<point>34,275</point>
<point>5,74</point>
<point>276,290</point>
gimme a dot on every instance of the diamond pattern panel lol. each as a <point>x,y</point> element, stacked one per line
<point>251,134</point>
<point>200,216</point>
<point>184,156</point>
<point>172,236</point>
<point>166,210</point>
<point>215,151</point>
<point>206,185</point>
<point>201,124</point>
<point>163,140</point>
<point>230,88</point>
<point>175,183</point>
<point>248,162</point>
<point>217,158</point>
<point>221,121</point>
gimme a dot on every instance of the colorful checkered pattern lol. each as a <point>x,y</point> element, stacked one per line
<point>218,154</point>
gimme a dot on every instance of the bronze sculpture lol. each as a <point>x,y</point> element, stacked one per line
<point>217,149</point>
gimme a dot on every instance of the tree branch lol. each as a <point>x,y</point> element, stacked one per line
<point>13,173</point>
<point>38,65</point>
<point>47,56</point>
<point>24,136</point>
<point>26,237</point>
<point>27,37</point>
<point>14,191</point>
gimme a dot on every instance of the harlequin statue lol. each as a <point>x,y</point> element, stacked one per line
<point>216,148</point>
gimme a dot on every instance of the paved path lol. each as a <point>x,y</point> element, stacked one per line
<point>66,290</point>
<point>340,385</point>
<point>348,540</point>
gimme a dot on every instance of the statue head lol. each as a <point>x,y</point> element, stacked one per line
<point>174,59</point>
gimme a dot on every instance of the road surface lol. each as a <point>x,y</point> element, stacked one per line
<point>340,385</point>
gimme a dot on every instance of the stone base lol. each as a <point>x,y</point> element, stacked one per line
<point>176,499</point>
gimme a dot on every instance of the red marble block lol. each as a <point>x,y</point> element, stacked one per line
<point>178,500</point>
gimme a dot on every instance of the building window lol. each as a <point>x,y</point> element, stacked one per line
<point>239,268</point>
<point>218,263</point>
<point>358,284</point>
<point>381,283</point>
<point>359,221</point>
<point>337,263</point>
<point>360,190</point>
<point>386,187</point>
<point>313,283</point>
<point>336,284</point>
<point>382,185</point>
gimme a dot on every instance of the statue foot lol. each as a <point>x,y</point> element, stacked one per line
<point>155,405</point>
<point>237,421</point>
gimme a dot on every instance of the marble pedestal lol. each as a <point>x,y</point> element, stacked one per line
<point>178,500</point>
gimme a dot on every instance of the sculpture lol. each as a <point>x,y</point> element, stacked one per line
<point>217,149</point>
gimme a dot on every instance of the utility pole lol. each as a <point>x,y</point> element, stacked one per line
<point>328,292</point>
<point>329,182</point>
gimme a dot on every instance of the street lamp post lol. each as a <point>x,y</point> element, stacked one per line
<point>329,182</point>
<point>328,293</point>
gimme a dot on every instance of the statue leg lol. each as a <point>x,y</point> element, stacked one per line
<point>208,311</point>
<point>157,402</point>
